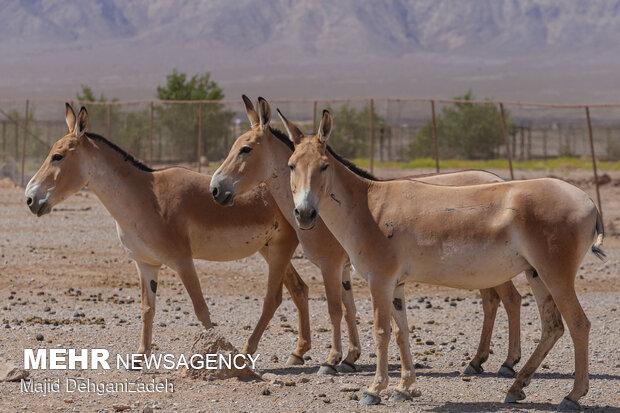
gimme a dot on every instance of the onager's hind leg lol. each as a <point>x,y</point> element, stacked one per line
<point>551,330</point>
<point>278,260</point>
<point>189,278</point>
<point>298,290</point>
<point>148,287</point>
<point>490,302</point>
<point>512,304</point>
<point>350,315</point>
<point>401,334</point>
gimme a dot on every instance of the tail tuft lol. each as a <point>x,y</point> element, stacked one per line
<point>599,252</point>
<point>600,235</point>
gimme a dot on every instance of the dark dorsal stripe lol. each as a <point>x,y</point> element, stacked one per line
<point>281,136</point>
<point>126,156</point>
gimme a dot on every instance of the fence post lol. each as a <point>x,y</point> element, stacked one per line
<point>544,144</point>
<point>151,137</point>
<point>108,120</point>
<point>314,115</point>
<point>3,140</point>
<point>24,139</point>
<point>506,139</point>
<point>434,133</point>
<point>199,143</point>
<point>371,125</point>
<point>598,192</point>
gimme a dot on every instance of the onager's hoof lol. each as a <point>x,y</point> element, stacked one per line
<point>567,405</point>
<point>506,371</point>
<point>370,399</point>
<point>472,370</point>
<point>327,370</point>
<point>399,396</point>
<point>295,360</point>
<point>514,397</point>
<point>346,367</point>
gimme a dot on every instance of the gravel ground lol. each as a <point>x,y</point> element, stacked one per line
<point>68,268</point>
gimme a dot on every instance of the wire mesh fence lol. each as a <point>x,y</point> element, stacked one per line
<point>514,139</point>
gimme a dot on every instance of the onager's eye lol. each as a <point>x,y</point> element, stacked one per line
<point>291,166</point>
<point>245,149</point>
<point>324,167</point>
<point>57,157</point>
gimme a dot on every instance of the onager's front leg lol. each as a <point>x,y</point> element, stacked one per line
<point>382,292</point>
<point>401,333</point>
<point>298,290</point>
<point>350,315</point>
<point>332,279</point>
<point>490,303</point>
<point>148,289</point>
<point>512,304</point>
<point>278,259</point>
<point>189,278</point>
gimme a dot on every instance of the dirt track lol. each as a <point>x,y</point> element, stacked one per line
<point>69,267</point>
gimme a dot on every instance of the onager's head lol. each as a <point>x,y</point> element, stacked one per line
<point>310,171</point>
<point>245,164</point>
<point>61,174</point>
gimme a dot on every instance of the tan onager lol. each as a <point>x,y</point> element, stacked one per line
<point>458,236</point>
<point>261,154</point>
<point>168,217</point>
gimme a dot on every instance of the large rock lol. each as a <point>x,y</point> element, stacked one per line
<point>212,342</point>
<point>10,372</point>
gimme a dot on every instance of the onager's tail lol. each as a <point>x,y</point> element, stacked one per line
<point>600,235</point>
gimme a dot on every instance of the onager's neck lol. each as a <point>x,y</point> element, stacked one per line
<point>344,207</point>
<point>278,177</point>
<point>118,184</point>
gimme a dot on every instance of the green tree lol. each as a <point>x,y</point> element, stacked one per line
<point>350,137</point>
<point>464,130</point>
<point>181,122</point>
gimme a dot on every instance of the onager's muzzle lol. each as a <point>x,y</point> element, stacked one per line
<point>37,199</point>
<point>223,192</point>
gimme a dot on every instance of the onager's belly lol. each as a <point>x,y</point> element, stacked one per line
<point>229,244</point>
<point>473,265</point>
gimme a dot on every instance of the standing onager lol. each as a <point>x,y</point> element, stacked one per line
<point>261,155</point>
<point>464,237</point>
<point>168,217</point>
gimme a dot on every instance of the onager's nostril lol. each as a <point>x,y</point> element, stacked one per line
<point>313,214</point>
<point>297,213</point>
<point>29,201</point>
<point>215,191</point>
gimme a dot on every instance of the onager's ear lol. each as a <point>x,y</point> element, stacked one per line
<point>70,117</point>
<point>249,110</point>
<point>294,134</point>
<point>325,127</point>
<point>264,112</point>
<point>81,124</point>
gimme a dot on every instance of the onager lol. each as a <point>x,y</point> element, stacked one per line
<point>458,236</point>
<point>168,217</point>
<point>261,154</point>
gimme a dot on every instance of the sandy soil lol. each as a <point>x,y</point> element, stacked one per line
<point>69,269</point>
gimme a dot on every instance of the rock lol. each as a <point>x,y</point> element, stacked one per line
<point>120,407</point>
<point>147,409</point>
<point>349,388</point>
<point>10,372</point>
<point>212,342</point>
<point>39,337</point>
<point>266,392</point>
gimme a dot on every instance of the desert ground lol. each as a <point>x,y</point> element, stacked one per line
<point>66,282</point>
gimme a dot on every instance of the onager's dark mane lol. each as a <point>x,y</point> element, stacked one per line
<point>281,136</point>
<point>126,156</point>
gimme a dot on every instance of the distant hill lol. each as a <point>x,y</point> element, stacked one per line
<point>543,49</point>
